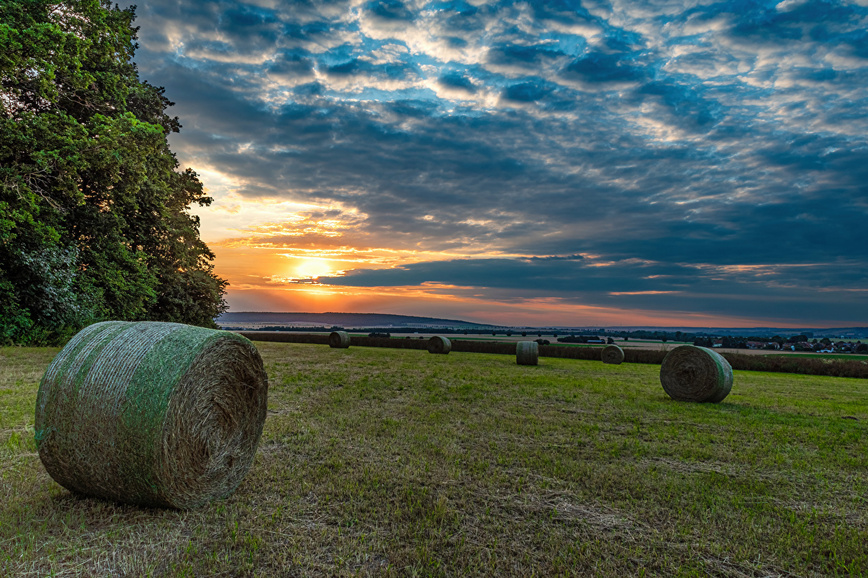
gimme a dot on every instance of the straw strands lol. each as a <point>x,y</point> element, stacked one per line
<point>439,344</point>
<point>157,414</point>
<point>612,354</point>
<point>339,339</point>
<point>527,353</point>
<point>691,373</point>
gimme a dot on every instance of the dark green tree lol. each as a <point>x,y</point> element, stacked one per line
<point>94,220</point>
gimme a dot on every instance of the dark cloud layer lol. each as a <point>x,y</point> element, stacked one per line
<point>715,155</point>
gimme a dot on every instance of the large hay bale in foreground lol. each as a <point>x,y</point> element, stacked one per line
<point>157,414</point>
<point>439,344</point>
<point>339,339</point>
<point>691,373</point>
<point>527,353</point>
<point>612,354</point>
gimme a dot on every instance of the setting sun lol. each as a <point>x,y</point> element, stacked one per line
<point>311,268</point>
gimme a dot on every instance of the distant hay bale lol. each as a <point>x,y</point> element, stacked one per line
<point>527,353</point>
<point>612,354</point>
<point>156,414</point>
<point>439,344</point>
<point>691,373</point>
<point>339,339</point>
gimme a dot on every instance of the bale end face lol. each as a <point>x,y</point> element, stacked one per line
<point>527,353</point>
<point>439,344</point>
<point>698,374</point>
<point>339,340</point>
<point>613,355</point>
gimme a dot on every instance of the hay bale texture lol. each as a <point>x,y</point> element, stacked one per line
<point>156,414</point>
<point>691,373</point>
<point>527,353</point>
<point>439,344</point>
<point>339,340</point>
<point>613,355</point>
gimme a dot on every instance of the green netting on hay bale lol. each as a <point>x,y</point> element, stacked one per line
<point>439,344</point>
<point>612,354</point>
<point>691,373</point>
<point>157,414</point>
<point>339,339</point>
<point>527,353</point>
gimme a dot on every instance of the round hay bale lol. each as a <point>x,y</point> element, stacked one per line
<point>612,354</point>
<point>156,414</point>
<point>691,373</point>
<point>439,344</point>
<point>339,339</point>
<point>527,353</point>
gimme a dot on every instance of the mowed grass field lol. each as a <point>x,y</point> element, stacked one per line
<point>383,462</point>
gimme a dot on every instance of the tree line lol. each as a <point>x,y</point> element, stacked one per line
<point>94,220</point>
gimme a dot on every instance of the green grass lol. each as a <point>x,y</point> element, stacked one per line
<point>383,462</point>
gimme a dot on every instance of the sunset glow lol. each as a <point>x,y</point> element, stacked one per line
<point>537,163</point>
<point>312,268</point>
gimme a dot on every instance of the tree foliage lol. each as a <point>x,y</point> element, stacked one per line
<point>93,209</point>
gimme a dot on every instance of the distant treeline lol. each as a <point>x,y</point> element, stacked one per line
<point>774,342</point>
<point>407,330</point>
<point>562,335</point>
<point>585,339</point>
<point>739,361</point>
<point>494,332</point>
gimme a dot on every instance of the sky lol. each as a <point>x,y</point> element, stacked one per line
<point>596,162</point>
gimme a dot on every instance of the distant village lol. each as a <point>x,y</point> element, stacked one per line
<point>794,343</point>
<point>803,343</point>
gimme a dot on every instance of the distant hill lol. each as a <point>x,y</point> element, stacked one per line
<point>348,320</point>
<point>261,320</point>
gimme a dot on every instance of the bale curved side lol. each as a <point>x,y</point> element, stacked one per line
<point>612,354</point>
<point>527,353</point>
<point>439,344</point>
<point>339,339</point>
<point>691,373</point>
<point>156,414</point>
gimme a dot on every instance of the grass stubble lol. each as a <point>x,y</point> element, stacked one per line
<point>381,462</point>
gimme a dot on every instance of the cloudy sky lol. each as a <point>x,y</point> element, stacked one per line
<point>593,162</point>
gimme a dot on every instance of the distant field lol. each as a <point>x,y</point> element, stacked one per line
<point>629,344</point>
<point>385,462</point>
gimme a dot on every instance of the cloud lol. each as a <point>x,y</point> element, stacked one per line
<point>603,68</point>
<point>691,135</point>
<point>633,284</point>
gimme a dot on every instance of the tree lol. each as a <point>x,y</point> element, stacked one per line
<point>93,211</point>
